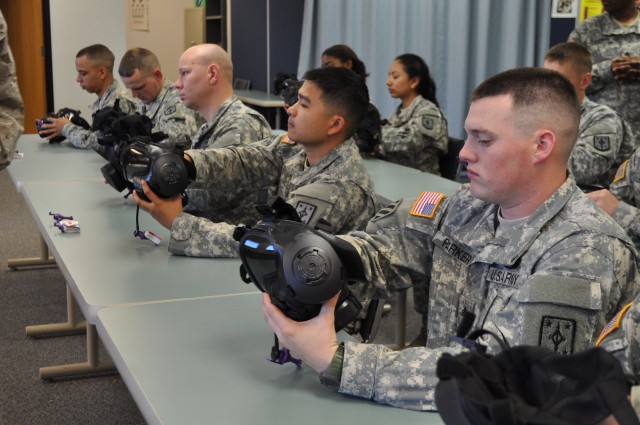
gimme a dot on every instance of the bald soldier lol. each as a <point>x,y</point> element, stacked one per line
<point>520,250</point>
<point>604,138</point>
<point>205,85</point>
<point>326,179</point>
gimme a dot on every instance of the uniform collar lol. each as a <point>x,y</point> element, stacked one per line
<point>507,251</point>
<point>346,149</point>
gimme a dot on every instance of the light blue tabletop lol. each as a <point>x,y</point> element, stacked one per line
<point>106,265</point>
<point>204,361</point>
<point>43,161</point>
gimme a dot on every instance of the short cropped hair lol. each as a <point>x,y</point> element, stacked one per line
<point>344,91</point>
<point>578,55</point>
<point>541,97</point>
<point>138,58</point>
<point>99,55</point>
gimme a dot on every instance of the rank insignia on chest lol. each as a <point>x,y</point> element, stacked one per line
<point>557,334</point>
<point>613,324</point>
<point>622,171</point>
<point>427,204</point>
<point>601,143</point>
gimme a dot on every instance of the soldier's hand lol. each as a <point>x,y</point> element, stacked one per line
<point>54,127</point>
<point>314,341</point>
<point>164,210</point>
<point>605,200</point>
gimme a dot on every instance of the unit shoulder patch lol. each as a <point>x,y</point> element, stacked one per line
<point>557,334</point>
<point>305,211</point>
<point>601,143</point>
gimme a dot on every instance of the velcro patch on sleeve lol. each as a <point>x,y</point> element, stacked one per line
<point>285,139</point>
<point>426,204</point>
<point>622,172</point>
<point>613,323</point>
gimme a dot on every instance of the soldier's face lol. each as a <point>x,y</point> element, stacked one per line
<point>399,83</point>
<point>498,157</point>
<point>89,75</point>
<point>310,120</point>
<point>145,88</point>
<point>192,82</point>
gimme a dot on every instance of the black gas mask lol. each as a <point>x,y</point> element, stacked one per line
<point>164,170</point>
<point>68,113</point>
<point>296,266</point>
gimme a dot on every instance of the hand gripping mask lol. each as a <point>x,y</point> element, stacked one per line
<point>298,268</point>
<point>164,171</point>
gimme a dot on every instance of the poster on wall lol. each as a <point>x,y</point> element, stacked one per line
<point>564,8</point>
<point>589,8</point>
<point>139,15</point>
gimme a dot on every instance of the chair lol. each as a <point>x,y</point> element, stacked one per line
<point>241,84</point>
<point>450,166</point>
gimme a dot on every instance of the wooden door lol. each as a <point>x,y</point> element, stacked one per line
<point>26,38</point>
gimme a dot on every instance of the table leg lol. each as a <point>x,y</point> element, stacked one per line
<point>43,260</point>
<point>93,366</point>
<point>71,327</point>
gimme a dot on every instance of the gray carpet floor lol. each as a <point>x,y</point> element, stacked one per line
<point>37,296</point>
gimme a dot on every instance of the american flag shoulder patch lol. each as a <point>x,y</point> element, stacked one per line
<point>622,171</point>
<point>285,139</point>
<point>613,324</point>
<point>427,204</point>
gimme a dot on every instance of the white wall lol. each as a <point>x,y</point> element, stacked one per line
<point>71,30</point>
<point>79,23</point>
<point>165,37</point>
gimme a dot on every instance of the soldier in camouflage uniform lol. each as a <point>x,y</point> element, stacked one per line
<point>140,72</point>
<point>520,247</point>
<point>604,139</point>
<point>416,135</point>
<point>205,85</point>
<point>95,75</point>
<point>11,106</point>
<point>622,199</point>
<point>326,179</point>
<point>613,38</point>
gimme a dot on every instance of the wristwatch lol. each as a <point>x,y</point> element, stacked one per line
<point>332,375</point>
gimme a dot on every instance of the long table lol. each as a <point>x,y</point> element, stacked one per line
<point>44,161</point>
<point>176,322</point>
<point>105,265</point>
<point>212,354</point>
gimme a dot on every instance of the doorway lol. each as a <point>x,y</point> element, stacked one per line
<point>26,30</point>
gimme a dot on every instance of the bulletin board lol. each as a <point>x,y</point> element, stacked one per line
<point>589,8</point>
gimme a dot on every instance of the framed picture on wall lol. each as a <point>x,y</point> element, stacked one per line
<point>139,15</point>
<point>564,9</point>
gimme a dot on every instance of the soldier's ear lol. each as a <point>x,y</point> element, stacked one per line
<point>586,80</point>
<point>336,125</point>
<point>213,73</point>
